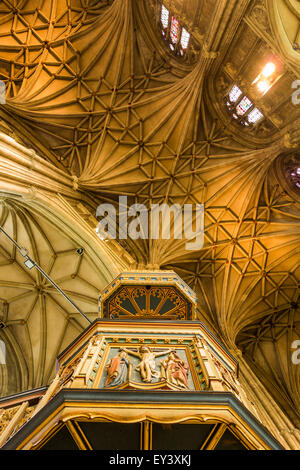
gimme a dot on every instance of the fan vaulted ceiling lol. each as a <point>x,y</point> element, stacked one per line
<point>95,90</point>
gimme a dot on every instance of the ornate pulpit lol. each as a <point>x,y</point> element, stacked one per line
<point>146,375</point>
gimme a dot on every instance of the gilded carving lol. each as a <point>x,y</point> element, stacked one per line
<point>147,366</point>
<point>6,417</point>
<point>118,370</point>
<point>175,370</point>
<point>141,302</point>
<point>228,378</point>
<point>66,373</point>
<point>27,415</point>
<point>145,371</point>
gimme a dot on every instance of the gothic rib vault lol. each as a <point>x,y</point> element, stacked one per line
<point>95,91</point>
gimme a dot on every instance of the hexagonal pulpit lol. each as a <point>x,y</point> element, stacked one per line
<point>145,375</point>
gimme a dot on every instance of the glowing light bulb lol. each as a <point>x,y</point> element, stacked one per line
<point>263,85</point>
<point>268,70</point>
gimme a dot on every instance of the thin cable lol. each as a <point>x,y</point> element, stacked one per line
<point>24,253</point>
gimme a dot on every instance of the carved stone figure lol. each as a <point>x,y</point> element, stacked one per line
<point>227,376</point>
<point>118,370</point>
<point>147,365</point>
<point>66,373</point>
<point>175,370</point>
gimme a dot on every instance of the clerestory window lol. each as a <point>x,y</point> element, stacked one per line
<point>173,32</point>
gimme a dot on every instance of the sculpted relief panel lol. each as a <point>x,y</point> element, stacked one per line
<point>147,367</point>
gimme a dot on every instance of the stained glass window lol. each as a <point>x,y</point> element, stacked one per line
<point>234,94</point>
<point>295,177</point>
<point>164,16</point>
<point>174,30</point>
<point>243,106</point>
<point>254,116</point>
<point>185,37</point>
<point>175,34</point>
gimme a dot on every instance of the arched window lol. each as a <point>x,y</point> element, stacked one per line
<point>267,78</point>
<point>287,167</point>
<point>234,94</point>
<point>295,177</point>
<point>164,17</point>
<point>254,116</point>
<point>185,38</point>
<point>242,108</point>
<point>173,32</point>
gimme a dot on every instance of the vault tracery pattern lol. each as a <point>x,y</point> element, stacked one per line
<point>269,342</point>
<point>30,307</point>
<point>245,245</point>
<point>244,281</point>
<point>33,28</point>
<point>77,82</point>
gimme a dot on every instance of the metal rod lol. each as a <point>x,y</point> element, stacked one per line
<point>24,253</point>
